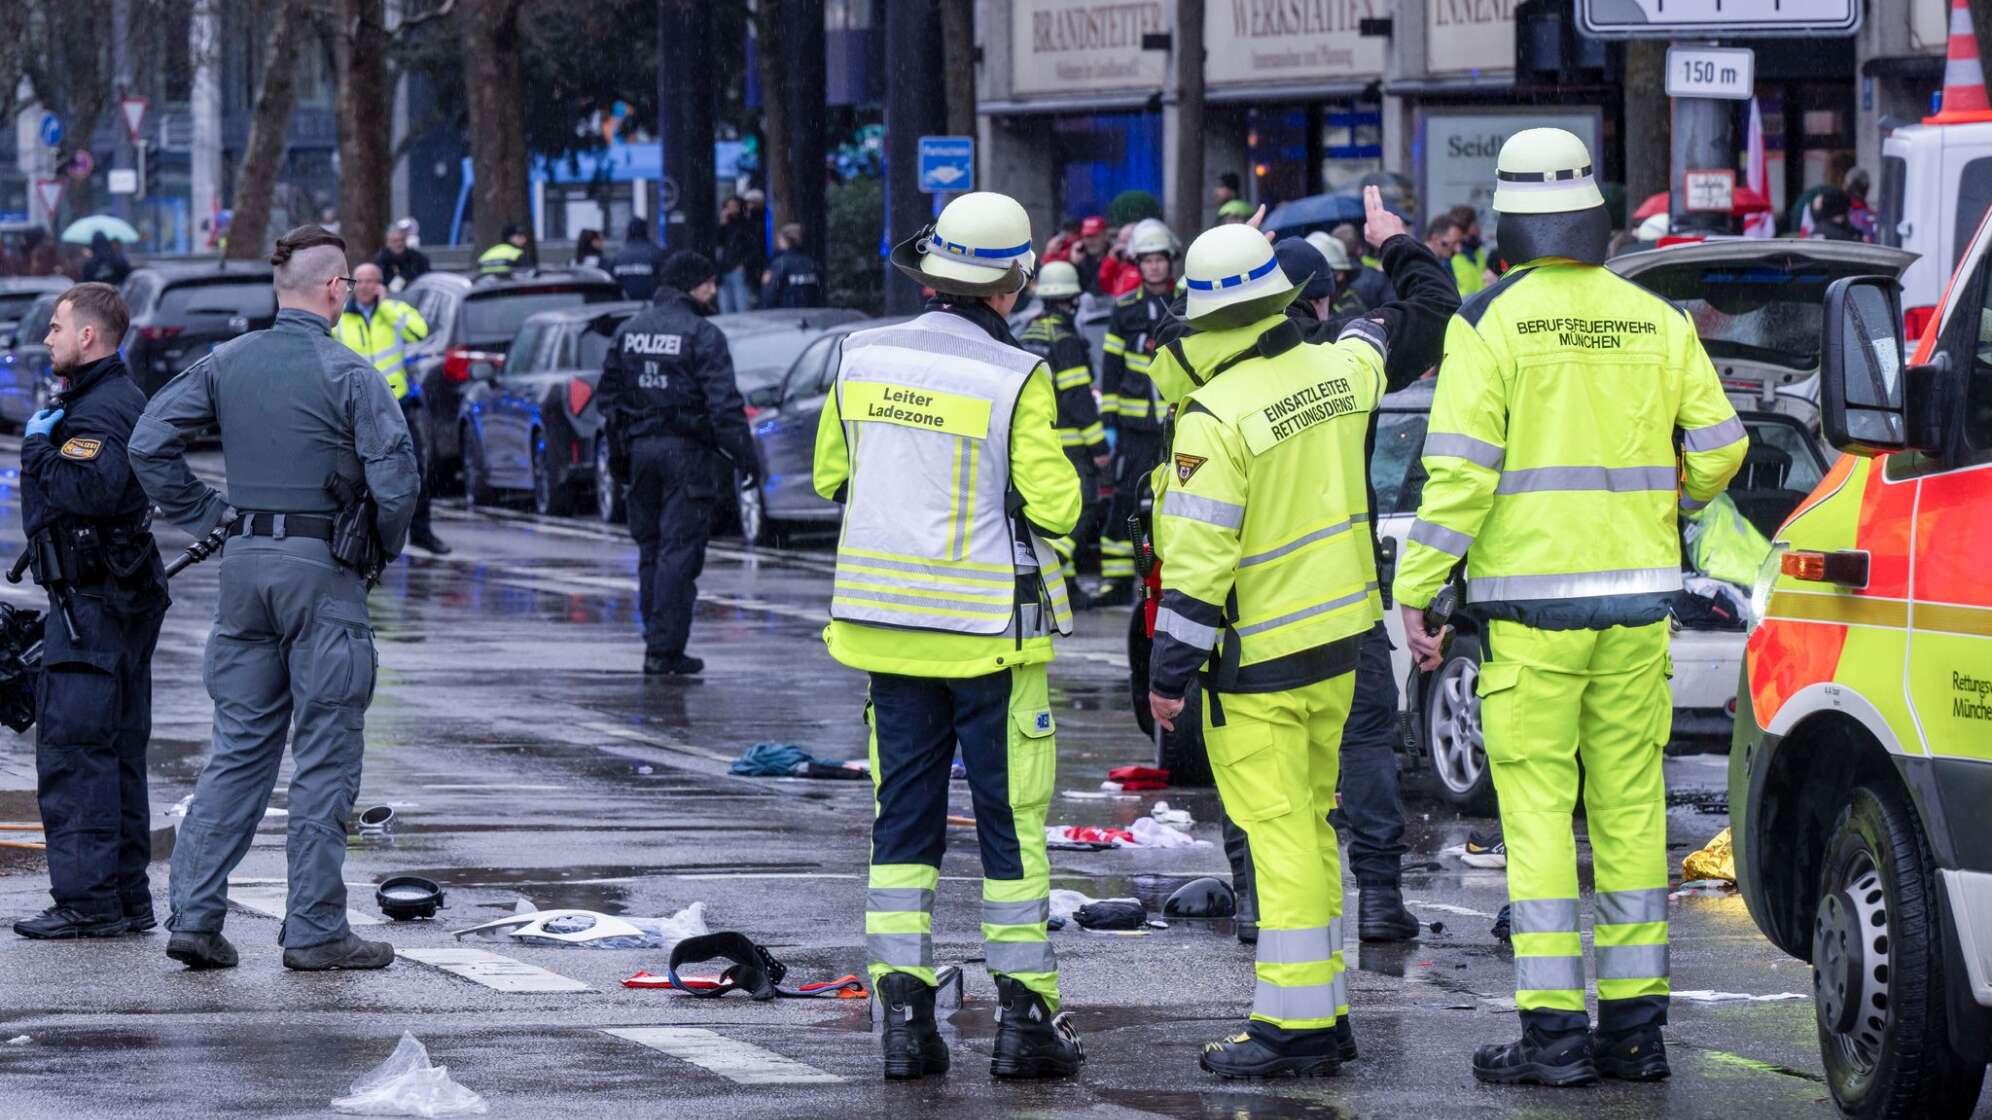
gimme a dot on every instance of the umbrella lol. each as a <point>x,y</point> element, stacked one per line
<point>83,229</point>
<point>1744,201</point>
<point>1316,210</point>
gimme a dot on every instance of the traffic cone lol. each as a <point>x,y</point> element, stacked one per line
<point>1964,78</point>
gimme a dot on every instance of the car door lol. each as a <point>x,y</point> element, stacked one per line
<point>787,438</point>
<point>511,406</point>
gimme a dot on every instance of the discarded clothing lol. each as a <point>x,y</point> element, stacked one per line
<point>1710,604</point>
<point>407,1085</point>
<point>843,987</point>
<point>1133,778</point>
<point>1201,898</point>
<point>587,929</point>
<point>1717,860</point>
<point>786,760</point>
<point>1145,832</point>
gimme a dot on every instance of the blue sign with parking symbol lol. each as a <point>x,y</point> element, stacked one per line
<point>947,163</point>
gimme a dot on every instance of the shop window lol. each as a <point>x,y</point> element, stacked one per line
<point>1102,154</point>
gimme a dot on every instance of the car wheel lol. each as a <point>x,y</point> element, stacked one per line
<point>1454,743</point>
<point>1877,969</point>
<point>752,511</point>
<point>608,492</point>
<point>476,483</point>
<point>1181,752</point>
<point>551,497</point>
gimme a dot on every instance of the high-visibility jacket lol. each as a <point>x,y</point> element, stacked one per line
<point>500,257</point>
<point>1051,337</point>
<point>938,439</point>
<point>382,336</point>
<point>1551,451</point>
<point>1469,269</point>
<point>1262,512</point>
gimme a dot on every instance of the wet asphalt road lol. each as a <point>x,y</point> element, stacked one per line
<point>527,757</point>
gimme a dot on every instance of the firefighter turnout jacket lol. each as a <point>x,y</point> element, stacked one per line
<point>1127,396</point>
<point>1053,339</point>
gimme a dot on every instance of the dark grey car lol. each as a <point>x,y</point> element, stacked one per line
<point>25,364</point>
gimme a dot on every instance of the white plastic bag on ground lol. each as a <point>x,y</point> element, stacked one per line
<point>1151,833</point>
<point>407,1085</point>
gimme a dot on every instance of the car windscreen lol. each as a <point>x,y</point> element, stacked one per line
<point>594,343</point>
<point>13,305</point>
<point>251,298</point>
<point>1782,466</point>
<point>490,319</point>
<point>1399,437</point>
<point>760,358</point>
<point>1760,311</point>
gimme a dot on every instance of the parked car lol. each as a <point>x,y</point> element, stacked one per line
<point>24,365</point>
<point>765,343</point>
<point>472,321</point>
<point>18,294</point>
<point>180,312</point>
<point>785,437</point>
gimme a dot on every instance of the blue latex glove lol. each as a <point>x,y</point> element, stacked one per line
<point>44,422</point>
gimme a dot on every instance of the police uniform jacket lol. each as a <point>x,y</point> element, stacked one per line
<point>795,280</point>
<point>668,372</point>
<point>638,267</point>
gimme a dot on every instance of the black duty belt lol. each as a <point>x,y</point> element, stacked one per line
<point>314,526</point>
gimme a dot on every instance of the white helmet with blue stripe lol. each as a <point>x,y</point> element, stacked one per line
<point>979,246</point>
<point>1233,278</point>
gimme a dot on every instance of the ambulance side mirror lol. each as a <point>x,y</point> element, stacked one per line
<point>1863,395</point>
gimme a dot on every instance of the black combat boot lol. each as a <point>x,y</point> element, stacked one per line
<point>138,913</point>
<point>204,949</point>
<point>1382,916</point>
<point>1345,1039</point>
<point>1030,1041</point>
<point>912,1042</point>
<point>1560,1060</point>
<point>66,923</point>
<point>349,952</point>
<point>1262,1050</point>
<point>1635,1055</point>
<point>671,665</point>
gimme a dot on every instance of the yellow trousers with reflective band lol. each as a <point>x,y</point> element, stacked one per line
<point>1003,726</point>
<point>1550,698</point>
<point>1277,757</point>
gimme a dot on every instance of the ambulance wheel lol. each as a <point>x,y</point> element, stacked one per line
<point>1878,969</point>
<point>1454,743</point>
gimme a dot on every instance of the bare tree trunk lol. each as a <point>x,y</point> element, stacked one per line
<point>255,183</point>
<point>365,103</point>
<point>493,90</point>
<point>1648,122</point>
<point>770,50</point>
<point>1186,193</point>
<point>958,64</point>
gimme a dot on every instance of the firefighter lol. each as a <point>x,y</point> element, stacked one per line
<point>1128,398</point>
<point>938,439</point>
<point>1053,337</point>
<point>1269,594</point>
<point>1556,481</point>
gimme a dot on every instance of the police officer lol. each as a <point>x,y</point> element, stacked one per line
<point>509,253</point>
<point>291,637</point>
<point>639,262</point>
<point>672,409</point>
<point>87,525</point>
<point>938,439</point>
<point>1557,484</point>
<point>1053,337</point>
<point>793,278</point>
<point>1269,595</point>
<point>380,329</point>
<point>1128,398</point>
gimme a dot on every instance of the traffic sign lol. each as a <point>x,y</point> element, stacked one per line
<point>1711,190</point>
<point>947,163</point>
<point>50,193</point>
<point>82,164</point>
<point>133,107</point>
<point>1670,19</point>
<point>124,180</point>
<point>51,130</point>
<point>1728,72</point>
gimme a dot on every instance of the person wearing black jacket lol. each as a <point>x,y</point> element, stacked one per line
<point>399,262</point>
<point>638,263</point>
<point>107,596</point>
<point>672,407</point>
<point>794,279</point>
<point>107,263</point>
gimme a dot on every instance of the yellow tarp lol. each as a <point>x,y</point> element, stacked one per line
<point>1716,861</point>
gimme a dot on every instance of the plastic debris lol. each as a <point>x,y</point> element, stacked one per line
<point>1112,914</point>
<point>1704,996</point>
<point>20,1040</point>
<point>1151,833</point>
<point>1716,860</point>
<point>1201,898</point>
<point>587,929</point>
<point>406,1084</point>
<point>1173,817</point>
<point>1703,888</point>
<point>1145,832</point>
<point>1098,795</point>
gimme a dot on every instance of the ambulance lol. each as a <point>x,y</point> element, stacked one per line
<point>1860,772</point>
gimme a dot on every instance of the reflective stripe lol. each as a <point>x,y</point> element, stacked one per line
<point>1030,911</point>
<point>1452,542</point>
<point>1335,933</point>
<point>1306,1001</point>
<point>1549,974</point>
<point>1074,378</point>
<point>1210,511</point>
<point>1544,915</point>
<point>1341,989</point>
<point>1617,480</point>
<point>1187,631</point>
<point>1233,281</point>
<point>1449,445</point>
<point>1691,504</point>
<point>901,950</point>
<point>1009,957</point>
<point>899,900</point>
<point>1574,585</point>
<point>1114,344</point>
<point>1308,612</point>
<point>999,576</point>
<point>1295,946</point>
<point>1620,908</point>
<point>1714,436</point>
<point>1303,542</point>
<point>1632,962</point>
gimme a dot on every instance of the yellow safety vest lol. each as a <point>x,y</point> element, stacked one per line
<point>382,338</point>
<point>500,257</point>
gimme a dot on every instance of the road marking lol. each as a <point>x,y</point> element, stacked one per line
<point>740,1062</point>
<point>653,739</point>
<point>499,973</point>
<point>269,897</point>
<point>523,787</point>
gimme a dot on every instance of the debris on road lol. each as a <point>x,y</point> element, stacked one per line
<point>1112,914</point>
<point>20,1040</point>
<point>754,971</point>
<point>407,898</point>
<point>1703,996</point>
<point>1145,832</point>
<point>786,760</point>
<point>1716,860</point>
<point>406,1084</point>
<point>1135,778</point>
<point>1201,898</point>
<point>588,929</point>
<point>1173,817</point>
<point>377,821</point>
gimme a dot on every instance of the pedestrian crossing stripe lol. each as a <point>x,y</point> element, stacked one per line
<point>740,1062</point>
<point>270,898</point>
<point>495,971</point>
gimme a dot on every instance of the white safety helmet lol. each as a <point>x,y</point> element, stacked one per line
<point>979,246</point>
<point>1233,278</point>
<point>1058,280</point>
<point>1332,248</point>
<point>1151,236</point>
<point>1546,199</point>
